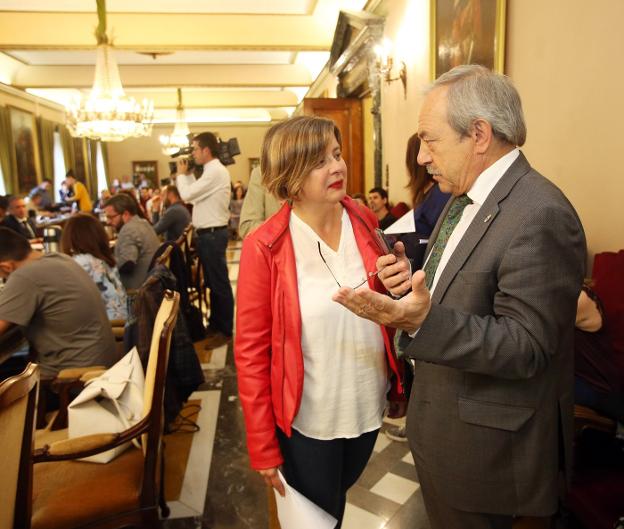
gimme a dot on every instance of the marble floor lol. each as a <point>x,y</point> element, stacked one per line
<point>387,494</point>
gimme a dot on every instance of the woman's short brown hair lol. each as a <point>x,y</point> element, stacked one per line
<point>83,233</point>
<point>291,149</point>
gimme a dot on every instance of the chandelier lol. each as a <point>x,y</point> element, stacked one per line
<point>179,137</point>
<point>108,114</point>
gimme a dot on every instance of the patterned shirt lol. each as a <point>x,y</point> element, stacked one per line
<point>107,279</point>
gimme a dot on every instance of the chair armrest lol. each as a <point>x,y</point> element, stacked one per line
<point>89,375</point>
<point>75,372</point>
<point>88,445</point>
<point>587,418</point>
<point>79,444</point>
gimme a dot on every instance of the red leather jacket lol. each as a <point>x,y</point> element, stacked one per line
<point>269,359</point>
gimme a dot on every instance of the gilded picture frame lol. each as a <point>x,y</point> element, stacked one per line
<point>467,32</point>
<point>25,143</point>
<point>148,169</point>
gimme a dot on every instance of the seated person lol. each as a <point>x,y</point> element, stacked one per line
<point>85,240</point>
<point>136,241</point>
<point>18,220</point>
<point>4,205</point>
<point>43,191</point>
<point>175,218</point>
<point>56,303</point>
<point>598,370</point>
<point>105,194</point>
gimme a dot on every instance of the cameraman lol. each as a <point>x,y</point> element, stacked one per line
<point>210,196</point>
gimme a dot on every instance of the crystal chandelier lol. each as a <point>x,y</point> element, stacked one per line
<point>179,137</point>
<point>108,114</point>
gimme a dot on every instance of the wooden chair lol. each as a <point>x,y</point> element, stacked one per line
<point>18,395</point>
<point>126,491</point>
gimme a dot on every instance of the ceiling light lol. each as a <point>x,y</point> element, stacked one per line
<point>108,114</point>
<point>179,137</point>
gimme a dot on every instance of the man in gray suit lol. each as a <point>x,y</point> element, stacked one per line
<point>488,322</point>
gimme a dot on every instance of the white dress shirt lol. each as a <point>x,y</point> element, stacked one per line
<point>478,193</point>
<point>209,194</point>
<point>344,362</point>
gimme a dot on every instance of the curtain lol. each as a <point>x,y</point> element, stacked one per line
<point>46,144</point>
<point>67,143</point>
<point>7,154</point>
<point>92,176</point>
<point>105,163</point>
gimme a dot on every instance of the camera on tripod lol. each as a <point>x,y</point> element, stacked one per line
<point>226,150</point>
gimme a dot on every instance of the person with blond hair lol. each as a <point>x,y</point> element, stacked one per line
<point>313,378</point>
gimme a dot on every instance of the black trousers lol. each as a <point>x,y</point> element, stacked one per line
<point>211,247</point>
<point>323,471</point>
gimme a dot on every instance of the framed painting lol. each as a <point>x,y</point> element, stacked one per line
<point>146,170</point>
<point>26,148</point>
<point>467,32</point>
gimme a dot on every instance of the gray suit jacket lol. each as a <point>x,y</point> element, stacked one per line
<point>493,389</point>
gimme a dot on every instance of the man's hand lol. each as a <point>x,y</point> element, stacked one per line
<point>395,271</point>
<point>182,165</point>
<point>407,313</point>
<point>272,479</point>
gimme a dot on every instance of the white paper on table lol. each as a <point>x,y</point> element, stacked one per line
<point>405,224</point>
<point>295,511</point>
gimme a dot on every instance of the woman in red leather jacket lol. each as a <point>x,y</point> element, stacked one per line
<point>313,378</point>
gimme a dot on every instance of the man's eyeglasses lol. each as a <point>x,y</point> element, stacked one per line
<point>111,217</point>
<point>370,274</point>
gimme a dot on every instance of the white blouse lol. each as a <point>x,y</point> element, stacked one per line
<point>345,380</point>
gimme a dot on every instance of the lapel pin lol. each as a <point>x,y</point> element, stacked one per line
<point>487,218</point>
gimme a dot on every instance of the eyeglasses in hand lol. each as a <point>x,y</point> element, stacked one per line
<point>370,274</point>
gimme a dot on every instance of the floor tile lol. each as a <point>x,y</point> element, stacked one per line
<point>356,518</point>
<point>373,503</point>
<point>395,488</point>
<point>381,443</point>
<point>408,458</point>
<point>412,515</point>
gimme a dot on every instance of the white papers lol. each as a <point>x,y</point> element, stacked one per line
<point>295,511</point>
<point>405,224</point>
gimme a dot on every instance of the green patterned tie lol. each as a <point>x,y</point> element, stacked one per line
<point>452,218</point>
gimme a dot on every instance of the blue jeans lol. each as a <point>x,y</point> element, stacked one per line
<point>211,247</point>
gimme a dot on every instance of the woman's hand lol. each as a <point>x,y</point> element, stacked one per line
<point>271,478</point>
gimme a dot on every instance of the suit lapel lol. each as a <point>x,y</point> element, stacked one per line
<point>479,226</point>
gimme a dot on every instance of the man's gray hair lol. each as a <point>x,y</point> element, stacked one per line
<point>475,92</point>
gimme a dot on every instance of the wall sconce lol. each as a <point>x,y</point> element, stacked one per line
<point>385,62</point>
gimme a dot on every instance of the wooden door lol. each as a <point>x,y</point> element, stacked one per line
<point>347,114</point>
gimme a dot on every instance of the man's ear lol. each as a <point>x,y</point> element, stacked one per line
<point>482,135</point>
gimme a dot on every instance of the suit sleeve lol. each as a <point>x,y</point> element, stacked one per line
<point>252,353</point>
<point>537,284</point>
<point>253,211</point>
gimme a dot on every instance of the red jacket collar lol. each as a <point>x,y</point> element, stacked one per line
<point>270,232</point>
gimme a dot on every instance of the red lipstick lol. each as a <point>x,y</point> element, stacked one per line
<point>337,184</point>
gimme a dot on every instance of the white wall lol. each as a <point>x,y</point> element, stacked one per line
<point>564,56</point>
